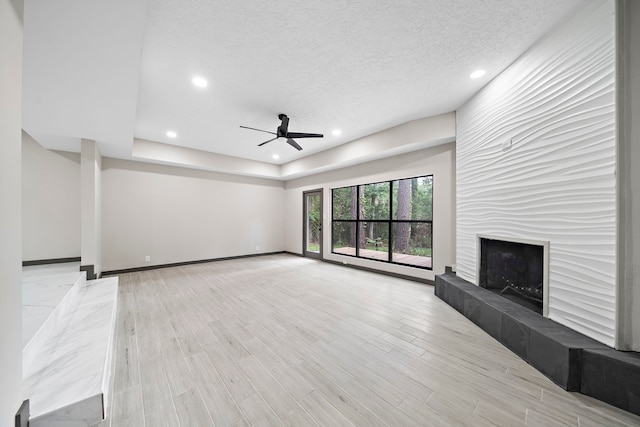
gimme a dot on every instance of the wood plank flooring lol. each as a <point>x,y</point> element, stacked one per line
<point>284,340</point>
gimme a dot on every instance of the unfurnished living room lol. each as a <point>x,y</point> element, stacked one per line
<point>319,213</point>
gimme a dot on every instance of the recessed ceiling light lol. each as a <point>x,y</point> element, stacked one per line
<point>171,134</point>
<point>477,74</point>
<point>336,132</point>
<point>275,157</point>
<point>200,81</point>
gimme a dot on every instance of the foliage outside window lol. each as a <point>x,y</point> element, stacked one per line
<point>387,221</point>
<point>313,222</point>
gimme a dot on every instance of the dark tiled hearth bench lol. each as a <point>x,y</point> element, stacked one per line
<point>570,359</point>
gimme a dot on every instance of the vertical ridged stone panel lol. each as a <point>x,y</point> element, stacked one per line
<point>556,181</point>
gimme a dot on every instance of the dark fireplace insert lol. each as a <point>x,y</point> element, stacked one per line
<point>514,270</point>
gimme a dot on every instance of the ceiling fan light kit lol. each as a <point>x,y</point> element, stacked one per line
<point>283,132</point>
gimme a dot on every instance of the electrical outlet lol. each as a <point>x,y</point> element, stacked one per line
<point>257,247</point>
<point>147,258</point>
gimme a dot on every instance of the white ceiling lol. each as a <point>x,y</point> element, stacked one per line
<point>117,70</point>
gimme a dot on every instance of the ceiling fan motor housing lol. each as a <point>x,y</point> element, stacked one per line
<point>282,129</point>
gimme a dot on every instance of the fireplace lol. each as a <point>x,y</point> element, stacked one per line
<point>517,269</point>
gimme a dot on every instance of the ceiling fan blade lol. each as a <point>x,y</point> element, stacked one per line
<point>259,130</point>
<point>272,139</point>
<point>304,135</point>
<point>294,144</point>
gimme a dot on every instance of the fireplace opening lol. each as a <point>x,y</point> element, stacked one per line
<point>514,270</point>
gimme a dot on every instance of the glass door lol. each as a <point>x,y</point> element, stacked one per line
<point>312,223</point>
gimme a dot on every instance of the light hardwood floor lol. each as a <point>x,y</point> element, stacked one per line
<point>284,340</point>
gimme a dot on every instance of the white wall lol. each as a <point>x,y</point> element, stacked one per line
<point>10,209</point>
<point>439,161</point>
<point>174,215</point>
<point>50,202</point>
<point>407,137</point>
<point>90,207</point>
<point>557,181</point>
<point>628,161</point>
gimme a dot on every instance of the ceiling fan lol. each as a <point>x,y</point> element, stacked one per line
<point>282,132</point>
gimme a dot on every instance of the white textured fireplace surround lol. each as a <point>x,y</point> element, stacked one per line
<point>536,159</point>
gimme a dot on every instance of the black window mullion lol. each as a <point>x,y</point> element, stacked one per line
<point>389,227</point>
<point>357,192</point>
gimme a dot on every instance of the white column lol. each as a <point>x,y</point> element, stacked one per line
<point>90,208</point>
<point>628,174</point>
<point>10,209</point>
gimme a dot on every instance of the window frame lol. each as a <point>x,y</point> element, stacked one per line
<point>389,222</point>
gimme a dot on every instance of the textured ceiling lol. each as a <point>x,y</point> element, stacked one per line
<point>112,71</point>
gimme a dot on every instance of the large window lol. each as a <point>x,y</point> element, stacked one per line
<point>387,221</point>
